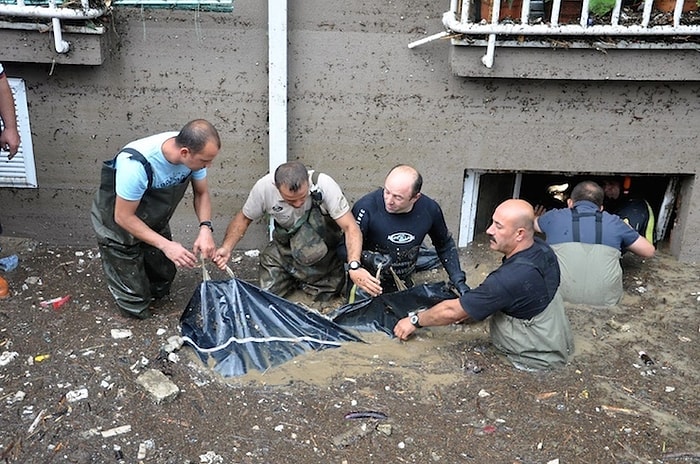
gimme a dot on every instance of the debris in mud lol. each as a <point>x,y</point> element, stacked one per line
<point>7,356</point>
<point>366,415</point>
<point>55,303</point>
<point>351,436</point>
<point>160,387</point>
<point>645,358</point>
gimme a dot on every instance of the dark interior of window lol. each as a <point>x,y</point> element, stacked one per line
<point>551,191</point>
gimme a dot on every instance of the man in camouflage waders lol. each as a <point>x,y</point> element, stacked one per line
<point>311,217</point>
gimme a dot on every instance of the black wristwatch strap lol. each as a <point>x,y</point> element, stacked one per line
<point>208,224</point>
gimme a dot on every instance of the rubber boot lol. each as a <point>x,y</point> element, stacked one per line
<point>4,288</point>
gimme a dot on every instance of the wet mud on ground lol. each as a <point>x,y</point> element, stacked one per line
<point>69,390</point>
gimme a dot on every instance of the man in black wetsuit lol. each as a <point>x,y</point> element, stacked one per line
<point>394,220</point>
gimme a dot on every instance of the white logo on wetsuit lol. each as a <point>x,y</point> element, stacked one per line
<point>401,238</point>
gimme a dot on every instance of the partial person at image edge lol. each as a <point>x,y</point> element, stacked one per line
<point>139,191</point>
<point>589,243</point>
<point>9,140</point>
<point>527,319</point>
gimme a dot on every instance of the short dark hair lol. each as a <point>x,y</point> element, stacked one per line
<point>292,175</point>
<point>196,134</point>
<point>588,190</point>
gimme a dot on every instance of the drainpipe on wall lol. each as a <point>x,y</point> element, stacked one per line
<point>61,45</point>
<point>277,84</point>
<point>277,81</point>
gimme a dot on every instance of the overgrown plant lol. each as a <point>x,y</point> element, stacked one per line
<point>602,7</point>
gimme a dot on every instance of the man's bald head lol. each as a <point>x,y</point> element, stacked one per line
<point>512,227</point>
<point>402,189</point>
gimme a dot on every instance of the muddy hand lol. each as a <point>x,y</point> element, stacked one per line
<point>221,258</point>
<point>204,244</point>
<point>364,280</point>
<point>179,255</point>
<point>403,329</point>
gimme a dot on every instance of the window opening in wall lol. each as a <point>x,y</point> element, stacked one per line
<point>20,170</point>
<point>484,190</point>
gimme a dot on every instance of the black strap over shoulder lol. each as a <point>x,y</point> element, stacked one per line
<point>316,194</point>
<point>137,156</point>
<point>575,215</point>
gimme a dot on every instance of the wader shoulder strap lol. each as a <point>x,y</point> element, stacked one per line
<point>576,226</point>
<point>316,194</point>
<point>137,156</point>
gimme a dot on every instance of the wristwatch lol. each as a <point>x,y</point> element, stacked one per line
<point>413,317</point>
<point>352,266</point>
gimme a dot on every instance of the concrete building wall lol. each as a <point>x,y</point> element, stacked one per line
<point>360,102</point>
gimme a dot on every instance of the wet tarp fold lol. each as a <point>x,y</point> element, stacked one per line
<point>381,313</point>
<point>241,327</point>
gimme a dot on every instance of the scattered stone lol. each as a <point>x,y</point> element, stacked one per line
<point>116,431</point>
<point>158,385</point>
<point>384,428</point>
<point>77,395</point>
<point>121,333</point>
<point>211,458</point>
<point>352,435</point>
<point>16,398</point>
<point>173,343</point>
<point>7,356</point>
<point>483,393</point>
<point>144,447</point>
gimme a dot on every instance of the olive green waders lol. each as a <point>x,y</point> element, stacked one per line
<point>136,272</point>
<point>590,274</point>
<point>543,342</point>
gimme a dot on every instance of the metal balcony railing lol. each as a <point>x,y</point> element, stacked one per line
<point>641,26</point>
<point>55,11</point>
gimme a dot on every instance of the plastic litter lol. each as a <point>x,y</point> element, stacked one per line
<point>4,288</point>
<point>55,303</point>
<point>8,263</point>
<point>7,356</point>
<point>366,415</point>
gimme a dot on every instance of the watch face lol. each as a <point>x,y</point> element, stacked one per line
<point>414,319</point>
<point>354,265</point>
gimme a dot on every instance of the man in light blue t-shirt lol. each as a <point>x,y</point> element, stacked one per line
<point>139,192</point>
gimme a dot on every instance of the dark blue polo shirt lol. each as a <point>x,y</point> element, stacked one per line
<point>557,224</point>
<point>521,287</point>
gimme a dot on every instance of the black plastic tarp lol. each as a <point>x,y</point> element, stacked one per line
<point>242,327</point>
<point>384,311</point>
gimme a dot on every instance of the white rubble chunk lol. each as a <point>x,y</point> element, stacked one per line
<point>121,333</point>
